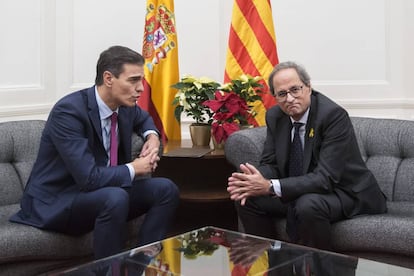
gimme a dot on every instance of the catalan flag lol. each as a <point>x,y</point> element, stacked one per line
<point>252,47</point>
<point>161,67</point>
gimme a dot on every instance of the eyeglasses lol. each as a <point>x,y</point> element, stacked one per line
<point>294,91</point>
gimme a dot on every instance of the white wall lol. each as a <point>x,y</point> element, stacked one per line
<point>357,52</point>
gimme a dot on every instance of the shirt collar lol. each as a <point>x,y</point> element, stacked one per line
<point>304,118</point>
<point>104,110</point>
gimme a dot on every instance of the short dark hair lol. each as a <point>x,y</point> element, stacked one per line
<point>303,75</point>
<point>113,60</point>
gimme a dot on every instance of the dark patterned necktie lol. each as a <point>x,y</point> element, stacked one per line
<point>296,153</point>
<point>295,169</point>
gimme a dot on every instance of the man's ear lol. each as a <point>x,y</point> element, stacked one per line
<point>107,78</point>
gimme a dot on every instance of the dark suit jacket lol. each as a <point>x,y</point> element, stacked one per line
<point>72,158</point>
<point>332,160</point>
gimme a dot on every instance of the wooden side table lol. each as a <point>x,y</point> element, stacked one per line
<point>202,182</point>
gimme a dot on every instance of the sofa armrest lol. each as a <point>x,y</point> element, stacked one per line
<point>245,146</point>
<point>136,145</point>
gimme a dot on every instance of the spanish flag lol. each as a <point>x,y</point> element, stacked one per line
<point>252,48</point>
<point>168,262</point>
<point>161,67</point>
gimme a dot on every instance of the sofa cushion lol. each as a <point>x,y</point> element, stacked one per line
<point>22,242</point>
<point>387,233</point>
<point>391,232</point>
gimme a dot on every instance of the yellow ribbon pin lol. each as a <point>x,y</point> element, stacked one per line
<point>311,133</point>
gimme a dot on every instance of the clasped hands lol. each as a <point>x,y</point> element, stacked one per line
<point>245,251</point>
<point>248,182</point>
<point>147,161</point>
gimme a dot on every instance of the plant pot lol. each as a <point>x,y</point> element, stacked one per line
<point>200,134</point>
<point>217,146</point>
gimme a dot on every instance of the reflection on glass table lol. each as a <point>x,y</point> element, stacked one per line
<point>216,251</point>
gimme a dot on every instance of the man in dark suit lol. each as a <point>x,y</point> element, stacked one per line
<point>332,182</point>
<point>84,179</point>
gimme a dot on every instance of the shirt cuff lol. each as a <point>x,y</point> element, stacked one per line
<point>148,132</point>
<point>276,187</point>
<point>131,171</point>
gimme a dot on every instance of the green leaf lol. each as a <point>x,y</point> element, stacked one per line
<point>176,101</point>
<point>177,112</point>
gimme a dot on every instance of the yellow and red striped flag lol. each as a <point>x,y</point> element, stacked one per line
<point>161,67</point>
<point>168,262</point>
<point>252,48</point>
<point>259,267</point>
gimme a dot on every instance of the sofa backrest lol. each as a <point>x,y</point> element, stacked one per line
<point>245,146</point>
<point>387,146</point>
<point>19,144</point>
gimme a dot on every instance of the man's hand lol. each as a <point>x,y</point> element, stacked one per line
<point>146,164</point>
<point>151,148</point>
<point>249,182</point>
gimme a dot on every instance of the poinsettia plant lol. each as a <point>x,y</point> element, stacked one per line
<point>232,106</point>
<point>230,110</point>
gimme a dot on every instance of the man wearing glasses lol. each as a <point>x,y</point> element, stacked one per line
<point>311,170</point>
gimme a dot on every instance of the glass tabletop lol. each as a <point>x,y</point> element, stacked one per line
<point>215,251</point>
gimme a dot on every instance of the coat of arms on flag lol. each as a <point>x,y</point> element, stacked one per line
<point>158,40</point>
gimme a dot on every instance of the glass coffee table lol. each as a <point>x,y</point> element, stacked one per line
<point>215,251</point>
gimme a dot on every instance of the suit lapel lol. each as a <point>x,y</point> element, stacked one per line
<point>285,127</point>
<point>124,130</point>
<point>309,135</point>
<point>94,113</point>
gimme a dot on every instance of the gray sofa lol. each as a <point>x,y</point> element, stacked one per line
<point>387,146</point>
<point>25,250</point>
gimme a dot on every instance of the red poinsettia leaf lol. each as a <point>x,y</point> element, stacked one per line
<point>216,104</point>
<point>224,96</point>
<point>222,131</point>
<point>218,132</point>
<point>235,104</point>
<point>229,128</point>
<point>213,105</point>
<point>222,116</point>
